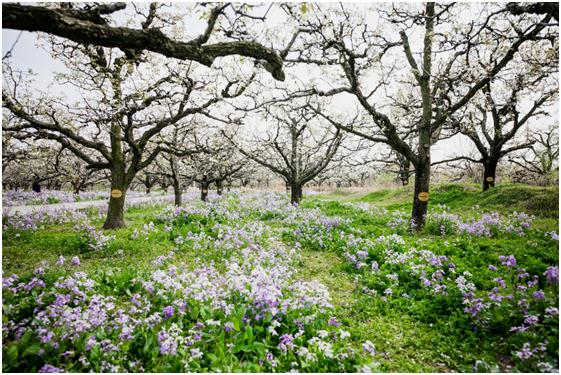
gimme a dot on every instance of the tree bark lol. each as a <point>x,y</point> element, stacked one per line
<point>422,165</point>
<point>119,184</point>
<point>404,174</point>
<point>116,210</point>
<point>204,191</point>
<point>295,193</point>
<point>489,174</point>
<point>62,23</point>
<point>420,200</point>
<point>219,187</point>
<point>177,193</point>
<point>77,186</point>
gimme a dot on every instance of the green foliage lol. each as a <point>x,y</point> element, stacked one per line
<point>413,329</point>
<point>535,200</point>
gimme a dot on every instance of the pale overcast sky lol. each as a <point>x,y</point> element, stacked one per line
<point>26,55</point>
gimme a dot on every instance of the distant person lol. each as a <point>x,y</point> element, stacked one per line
<point>36,186</point>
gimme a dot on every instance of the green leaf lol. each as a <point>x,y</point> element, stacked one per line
<point>303,8</point>
<point>148,344</point>
<point>13,355</point>
<point>249,335</point>
<point>213,358</point>
<point>31,350</point>
<point>25,338</point>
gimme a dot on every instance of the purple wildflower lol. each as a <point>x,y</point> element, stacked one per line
<point>476,307</point>
<point>333,322</point>
<point>538,294</point>
<point>167,343</point>
<point>551,311</point>
<point>49,368</point>
<point>552,275</point>
<point>286,342</point>
<point>9,281</point>
<point>229,326</point>
<point>493,296</point>
<point>135,300</point>
<point>369,347</point>
<point>509,262</point>
<point>501,282</point>
<point>362,254</point>
<point>168,312</point>
<point>522,274</point>
<point>75,261</point>
<point>525,353</point>
<point>531,320</point>
<point>532,283</point>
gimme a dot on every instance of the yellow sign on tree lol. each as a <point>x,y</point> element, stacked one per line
<point>423,196</point>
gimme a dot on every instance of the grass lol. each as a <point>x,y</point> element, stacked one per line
<point>535,200</point>
<point>412,336</point>
<point>413,343</point>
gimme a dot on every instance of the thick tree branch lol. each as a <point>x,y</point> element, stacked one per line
<point>60,23</point>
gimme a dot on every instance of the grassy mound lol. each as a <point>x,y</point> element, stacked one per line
<point>535,200</point>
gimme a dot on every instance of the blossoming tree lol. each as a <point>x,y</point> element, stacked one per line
<point>129,97</point>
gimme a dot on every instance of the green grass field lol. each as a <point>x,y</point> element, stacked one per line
<point>413,329</point>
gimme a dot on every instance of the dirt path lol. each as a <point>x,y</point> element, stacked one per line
<point>79,205</point>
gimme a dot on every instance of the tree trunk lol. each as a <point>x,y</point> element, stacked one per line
<point>204,191</point>
<point>219,187</point>
<point>177,193</point>
<point>295,193</point>
<point>422,164</point>
<point>149,183</point>
<point>404,172</point>
<point>76,185</point>
<point>116,211</point>
<point>489,174</point>
<point>421,197</point>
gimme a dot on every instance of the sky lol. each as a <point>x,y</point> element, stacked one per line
<point>27,55</point>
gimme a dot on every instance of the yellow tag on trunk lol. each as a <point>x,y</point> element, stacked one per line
<point>423,196</point>
<point>489,179</point>
<point>116,193</point>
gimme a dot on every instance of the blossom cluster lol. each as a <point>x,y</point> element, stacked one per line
<point>26,198</point>
<point>238,305</point>
<point>96,240</point>
<point>487,225</point>
<point>521,304</point>
<point>40,217</point>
